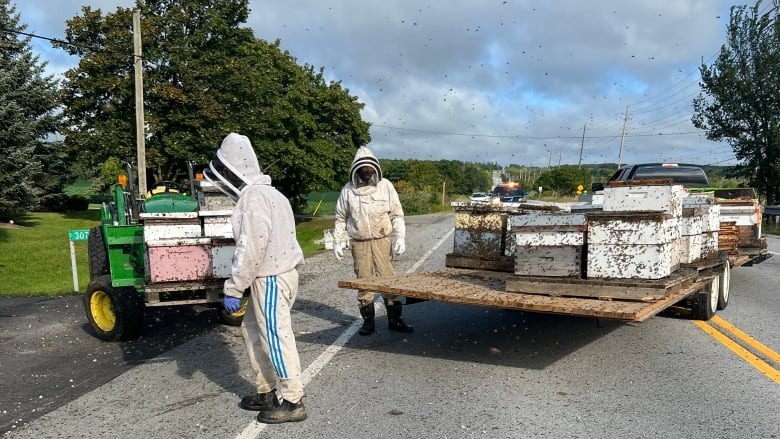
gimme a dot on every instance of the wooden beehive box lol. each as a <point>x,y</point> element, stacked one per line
<point>159,226</point>
<point>632,245</point>
<point>644,198</point>
<point>480,232</point>
<point>216,223</point>
<point>179,260</point>
<point>548,244</point>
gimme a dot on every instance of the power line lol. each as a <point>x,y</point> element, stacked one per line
<point>506,136</point>
<point>53,40</point>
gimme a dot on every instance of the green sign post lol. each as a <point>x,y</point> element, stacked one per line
<point>75,235</point>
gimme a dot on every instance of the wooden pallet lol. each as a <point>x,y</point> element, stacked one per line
<point>486,288</point>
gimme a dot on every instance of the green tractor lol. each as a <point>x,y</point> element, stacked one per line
<point>171,248</point>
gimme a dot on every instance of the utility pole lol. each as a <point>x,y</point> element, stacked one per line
<point>560,156</point>
<point>582,145</point>
<point>140,137</point>
<point>623,138</point>
<point>549,158</point>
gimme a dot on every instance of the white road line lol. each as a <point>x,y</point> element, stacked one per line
<point>254,429</point>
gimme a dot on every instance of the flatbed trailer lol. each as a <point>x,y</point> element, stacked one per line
<point>630,300</point>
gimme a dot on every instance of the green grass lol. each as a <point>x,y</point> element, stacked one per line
<point>311,234</point>
<point>35,255</point>
<point>35,258</point>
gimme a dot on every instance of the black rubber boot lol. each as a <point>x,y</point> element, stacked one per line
<point>284,412</point>
<point>394,321</point>
<point>260,401</point>
<point>367,312</point>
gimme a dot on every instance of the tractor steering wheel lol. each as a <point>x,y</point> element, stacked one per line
<point>164,187</point>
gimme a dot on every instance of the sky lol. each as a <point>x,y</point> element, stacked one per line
<point>527,82</point>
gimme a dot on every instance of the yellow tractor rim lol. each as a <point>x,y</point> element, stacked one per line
<point>102,311</point>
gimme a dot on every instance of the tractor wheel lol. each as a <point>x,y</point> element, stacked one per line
<point>115,313</point>
<point>725,280</point>
<point>705,303</point>
<point>235,318</point>
<point>96,250</point>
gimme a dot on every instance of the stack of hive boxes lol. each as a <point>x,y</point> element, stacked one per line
<point>637,236</point>
<point>191,246</point>
<point>699,227</point>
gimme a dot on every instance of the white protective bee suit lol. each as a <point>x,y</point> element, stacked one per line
<point>265,261</point>
<point>369,212</point>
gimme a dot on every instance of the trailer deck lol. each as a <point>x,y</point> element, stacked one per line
<point>631,300</point>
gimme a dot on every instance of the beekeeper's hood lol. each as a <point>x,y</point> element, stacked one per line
<point>364,157</point>
<point>235,166</point>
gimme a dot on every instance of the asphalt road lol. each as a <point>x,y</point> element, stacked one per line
<point>465,372</point>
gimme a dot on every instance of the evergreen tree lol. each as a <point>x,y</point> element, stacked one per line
<point>28,105</point>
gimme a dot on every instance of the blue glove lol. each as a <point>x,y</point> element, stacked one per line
<point>231,303</point>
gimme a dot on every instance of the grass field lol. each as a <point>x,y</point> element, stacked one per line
<point>35,252</point>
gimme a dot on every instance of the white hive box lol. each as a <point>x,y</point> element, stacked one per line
<point>548,229</point>
<point>159,226</point>
<point>548,244</point>
<point>691,248</point>
<point>644,198</point>
<point>216,223</point>
<point>632,245</point>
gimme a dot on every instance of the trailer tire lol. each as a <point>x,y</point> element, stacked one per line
<point>705,302</point>
<point>115,313</point>
<point>96,252</point>
<point>724,279</point>
<point>235,318</point>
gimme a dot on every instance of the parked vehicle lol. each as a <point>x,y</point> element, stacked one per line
<point>480,197</point>
<point>509,192</point>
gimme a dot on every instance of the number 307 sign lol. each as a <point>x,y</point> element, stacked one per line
<point>78,235</point>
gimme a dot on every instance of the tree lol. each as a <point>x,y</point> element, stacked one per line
<point>740,98</point>
<point>28,104</point>
<point>205,76</point>
<point>564,179</point>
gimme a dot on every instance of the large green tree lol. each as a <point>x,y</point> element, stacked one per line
<point>204,76</point>
<point>31,168</point>
<point>740,99</point>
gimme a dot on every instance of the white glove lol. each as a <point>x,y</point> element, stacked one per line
<point>399,230</point>
<point>339,231</point>
<point>400,246</point>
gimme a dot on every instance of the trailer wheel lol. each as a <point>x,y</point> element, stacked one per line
<point>705,302</point>
<point>235,318</point>
<point>724,279</point>
<point>114,313</point>
<point>96,251</point>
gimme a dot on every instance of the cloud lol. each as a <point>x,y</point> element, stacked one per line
<point>494,80</point>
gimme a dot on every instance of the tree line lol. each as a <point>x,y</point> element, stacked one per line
<point>205,74</point>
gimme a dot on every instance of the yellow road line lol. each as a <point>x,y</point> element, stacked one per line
<point>750,341</point>
<point>743,353</point>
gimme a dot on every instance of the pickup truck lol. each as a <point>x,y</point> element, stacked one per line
<point>690,176</point>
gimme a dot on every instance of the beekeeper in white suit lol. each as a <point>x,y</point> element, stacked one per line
<point>369,212</point>
<point>265,261</point>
